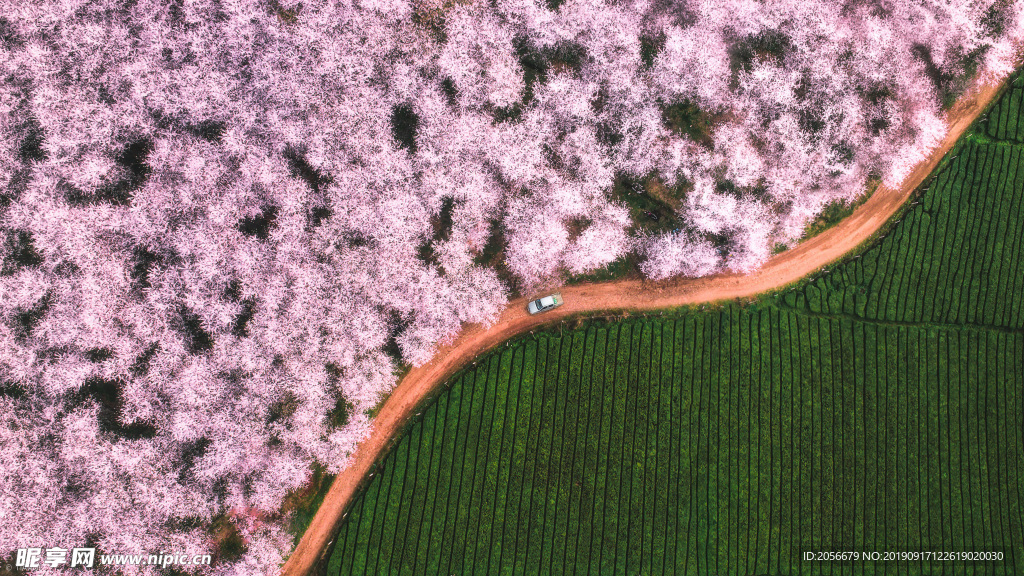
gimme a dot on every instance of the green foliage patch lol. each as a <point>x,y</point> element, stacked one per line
<point>651,203</point>
<point>687,118</point>
<point>835,212</point>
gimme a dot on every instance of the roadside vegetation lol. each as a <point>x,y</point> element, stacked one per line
<point>303,503</point>
<point>836,211</point>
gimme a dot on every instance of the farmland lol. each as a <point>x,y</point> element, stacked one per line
<point>878,406</point>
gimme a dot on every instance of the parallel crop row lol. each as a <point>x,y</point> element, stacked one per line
<point>956,256</point>
<point>1006,122</point>
<point>721,443</point>
<point>953,259</point>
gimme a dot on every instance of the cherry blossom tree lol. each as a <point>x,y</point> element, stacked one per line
<point>225,225</point>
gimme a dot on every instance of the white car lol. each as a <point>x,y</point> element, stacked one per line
<point>544,304</point>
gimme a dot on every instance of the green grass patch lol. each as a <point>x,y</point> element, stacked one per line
<point>304,502</point>
<point>627,266</point>
<point>836,211</point>
<point>651,203</point>
<point>687,118</point>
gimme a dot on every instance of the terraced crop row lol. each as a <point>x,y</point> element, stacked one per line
<point>1006,120</point>
<point>955,257</point>
<point>724,443</point>
<point>877,408</point>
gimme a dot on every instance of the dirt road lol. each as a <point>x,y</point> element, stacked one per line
<point>780,271</point>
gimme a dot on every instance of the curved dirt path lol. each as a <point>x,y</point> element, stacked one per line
<point>779,271</point>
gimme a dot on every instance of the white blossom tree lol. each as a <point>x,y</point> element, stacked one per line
<point>223,225</point>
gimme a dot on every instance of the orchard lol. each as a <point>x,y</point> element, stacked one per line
<point>225,225</point>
